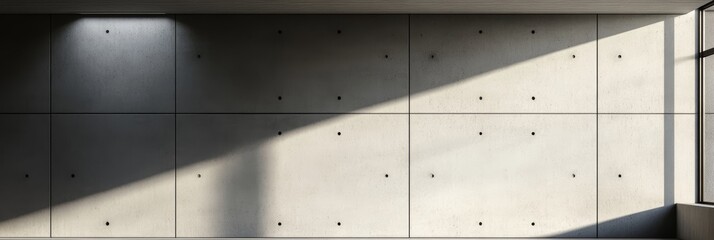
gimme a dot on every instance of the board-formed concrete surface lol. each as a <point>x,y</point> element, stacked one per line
<point>463,63</point>
<point>24,175</point>
<point>112,175</point>
<point>456,159</point>
<point>292,175</point>
<point>112,64</point>
<point>292,63</point>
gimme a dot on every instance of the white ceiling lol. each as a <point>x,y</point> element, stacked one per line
<point>350,6</point>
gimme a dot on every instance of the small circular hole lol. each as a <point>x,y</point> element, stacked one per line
<point>619,56</point>
<point>280,31</point>
<point>27,175</point>
<point>533,224</point>
<point>532,31</point>
<point>386,56</point>
<point>339,224</point>
<point>280,98</point>
<point>533,133</point>
<point>107,31</point>
<point>533,98</point>
<point>280,223</point>
<point>199,175</point>
<point>432,175</point>
<point>339,133</point>
<point>480,133</point>
<point>573,56</point>
<point>480,31</point>
<point>280,133</point>
<point>106,223</point>
<point>339,97</point>
<point>386,175</point>
<point>198,56</point>
<point>339,31</point>
<point>480,223</point>
<point>573,175</point>
<point>72,175</point>
<point>480,98</point>
<point>432,56</point>
<point>619,175</point>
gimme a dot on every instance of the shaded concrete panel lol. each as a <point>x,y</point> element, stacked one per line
<point>503,175</point>
<point>292,175</point>
<point>639,156</point>
<point>462,63</point>
<point>292,63</point>
<point>24,175</point>
<point>646,64</point>
<point>686,163</point>
<point>708,166</point>
<point>24,69</point>
<point>112,175</point>
<point>694,222</point>
<point>112,64</point>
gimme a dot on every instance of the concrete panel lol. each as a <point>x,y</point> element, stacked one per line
<point>646,64</point>
<point>708,166</point>
<point>113,64</point>
<point>24,175</point>
<point>113,175</point>
<point>503,175</point>
<point>638,156</point>
<point>503,64</point>
<point>292,175</point>
<point>24,67</point>
<point>292,63</point>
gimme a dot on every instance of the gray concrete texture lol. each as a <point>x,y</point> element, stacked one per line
<point>348,126</point>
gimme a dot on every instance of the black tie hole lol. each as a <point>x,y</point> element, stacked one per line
<point>339,224</point>
<point>280,133</point>
<point>480,31</point>
<point>280,31</point>
<point>386,175</point>
<point>533,98</point>
<point>339,133</point>
<point>533,224</point>
<point>532,31</point>
<point>106,223</point>
<point>480,98</point>
<point>480,133</point>
<point>339,97</point>
<point>107,31</point>
<point>280,223</point>
<point>27,175</point>
<point>573,175</point>
<point>199,175</point>
<point>533,133</point>
<point>432,56</point>
<point>339,31</point>
<point>573,56</point>
<point>280,98</point>
<point>198,56</point>
<point>619,56</point>
<point>72,175</point>
<point>480,223</point>
<point>432,175</point>
<point>619,175</point>
<point>386,56</point>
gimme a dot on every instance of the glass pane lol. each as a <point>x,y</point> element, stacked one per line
<point>708,29</point>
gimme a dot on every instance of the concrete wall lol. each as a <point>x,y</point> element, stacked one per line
<point>346,125</point>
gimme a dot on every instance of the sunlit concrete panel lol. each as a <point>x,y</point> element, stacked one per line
<point>292,63</point>
<point>503,63</point>
<point>291,175</point>
<point>638,158</point>
<point>503,175</point>
<point>24,175</point>
<point>646,64</point>
<point>24,67</point>
<point>113,175</point>
<point>113,64</point>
